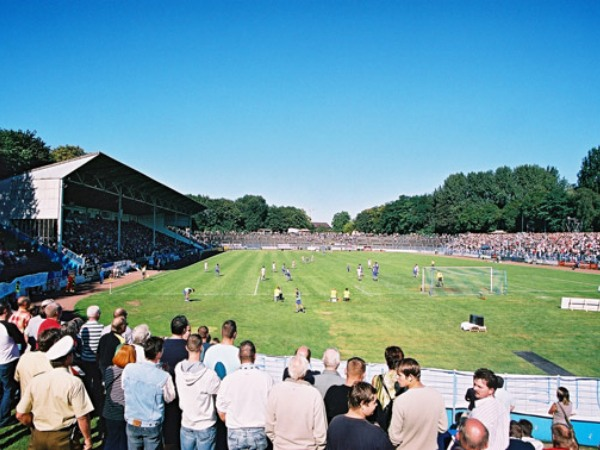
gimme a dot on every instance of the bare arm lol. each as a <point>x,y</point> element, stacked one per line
<point>86,430</point>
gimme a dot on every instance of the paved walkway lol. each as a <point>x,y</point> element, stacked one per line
<point>68,301</point>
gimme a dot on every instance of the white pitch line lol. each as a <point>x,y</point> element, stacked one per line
<point>256,288</point>
<point>368,294</point>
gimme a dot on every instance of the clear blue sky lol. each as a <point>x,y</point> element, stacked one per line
<point>324,105</point>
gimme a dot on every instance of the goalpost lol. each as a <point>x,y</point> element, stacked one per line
<point>467,280</point>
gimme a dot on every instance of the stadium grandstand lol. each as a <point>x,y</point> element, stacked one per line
<point>89,215</point>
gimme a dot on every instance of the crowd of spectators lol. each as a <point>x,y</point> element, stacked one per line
<point>97,241</point>
<point>153,392</point>
<point>551,247</point>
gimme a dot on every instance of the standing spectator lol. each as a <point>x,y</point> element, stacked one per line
<point>91,331</point>
<point>114,403</point>
<point>296,417</point>
<point>139,336</point>
<point>55,401</point>
<point>472,435</point>
<point>204,333</point>
<point>109,342</point>
<point>352,431</point>
<point>53,311</point>
<point>21,316</point>
<point>38,316</point>
<point>147,388</point>
<point>563,408</point>
<point>196,388</point>
<point>386,384</point>
<point>305,352</point>
<point>504,395</point>
<point>330,375</point>
<point>223,357</point>
<point>527,428</point>
<point>36,362</point>
<point>120,312</point>
<point>489,410</point>
<point>419,414</point>
<point>242,402</point>
<point>174,351</point>
<point>12,344</point>
<point>515,438</point>
<point>336,398</point>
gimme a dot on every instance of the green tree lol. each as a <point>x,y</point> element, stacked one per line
<point>21,151</point>
<point>254,211</point>
<point>282,218</point>
<point>586,209</point>
<point>339,220</point>
<point>589,174</point>
<point>66,152</point>
<point>367,221</point>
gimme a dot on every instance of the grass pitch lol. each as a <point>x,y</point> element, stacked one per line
<point>391,311</point>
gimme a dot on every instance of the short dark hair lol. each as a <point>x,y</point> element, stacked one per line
<point>152,347</point>
<point>393,353</point>
<point>194,343</point>
<point>229,329</point>
<point>360,393</point>
<point>410,367</point>
<point>490,377</point>
<point>247,350</point>
<point>48,338</point>
<point>179,325</point>
<point>527,427</point>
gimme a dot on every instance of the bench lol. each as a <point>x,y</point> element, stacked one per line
<point>580,304</point>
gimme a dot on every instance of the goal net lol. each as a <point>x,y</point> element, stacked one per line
<point>447,281</point>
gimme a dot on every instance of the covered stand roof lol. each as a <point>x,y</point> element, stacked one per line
<point>95,181</point>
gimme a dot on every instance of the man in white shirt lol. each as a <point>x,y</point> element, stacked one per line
<point>489,410</point>
<point>242,402</point>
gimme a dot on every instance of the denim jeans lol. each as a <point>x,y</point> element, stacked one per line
<point>144,438</point>
<point>8,390</point>
<point>198,439</point>
<point>247,439</point>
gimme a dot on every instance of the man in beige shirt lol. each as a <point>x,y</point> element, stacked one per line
<point>55,401</point>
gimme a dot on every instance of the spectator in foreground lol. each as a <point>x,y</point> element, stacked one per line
<point>563,408</point>
<point>515,438</point>
<point>114,402</point>
<point>472,435</point>
<point>55,401</point>
<point>242,402</point>
<point>352,431</point>
<point>336,398</point>
<point>34,363</point>
<point>147,388</point>
<point>196,386</point>
<point>330,375</point>
<point>296,417</point>
<point>12,343</point>
<point>489,410</point>
<point>527,428</point>
<point>419,414</point>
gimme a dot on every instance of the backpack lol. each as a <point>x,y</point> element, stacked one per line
<point>385,416</point>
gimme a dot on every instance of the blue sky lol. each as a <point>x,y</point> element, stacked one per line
<point>324,105</point>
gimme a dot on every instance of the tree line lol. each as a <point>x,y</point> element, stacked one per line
<point>526,198</point>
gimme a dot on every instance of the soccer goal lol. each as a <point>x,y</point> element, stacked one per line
<point>480,281</point>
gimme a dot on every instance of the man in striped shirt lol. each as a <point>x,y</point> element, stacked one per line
<point>90,333</point>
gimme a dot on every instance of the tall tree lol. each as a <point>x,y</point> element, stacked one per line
<point>21,151</point>
<point>589,174</point>
<point>254,211</point>
<point>339,220</point>
<point>66,152</point>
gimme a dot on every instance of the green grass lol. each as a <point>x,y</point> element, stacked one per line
<point>391,311</point>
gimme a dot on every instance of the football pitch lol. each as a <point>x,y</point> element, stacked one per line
<point>390,311</point>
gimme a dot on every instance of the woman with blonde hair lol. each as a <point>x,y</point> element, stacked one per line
<point>114,402</point>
